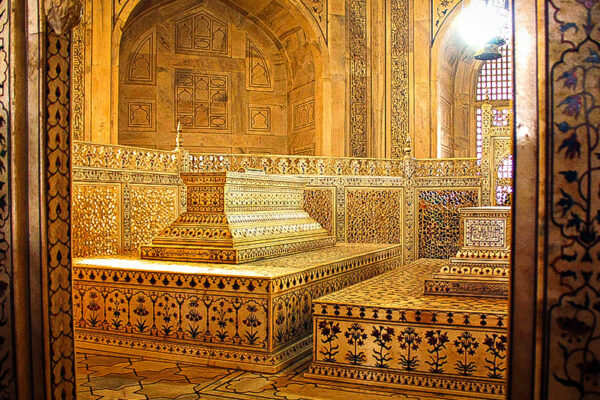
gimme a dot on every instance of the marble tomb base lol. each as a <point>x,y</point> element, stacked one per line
<point>255,316</point>
<point>386,332</point>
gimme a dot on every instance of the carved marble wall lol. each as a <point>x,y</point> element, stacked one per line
<point>359,200</point>
<point>334,72</point>
<point>218,75</point>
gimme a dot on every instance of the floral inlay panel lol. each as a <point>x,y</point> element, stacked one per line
<point>256,316</point>
<point>572,352</point>
<point>385,331</point>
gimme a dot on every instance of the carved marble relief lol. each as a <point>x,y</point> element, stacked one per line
<point>304,115</point>
<point>383,332</point>
<point>485,233</point>
<point>318,9</point>
<point>374,215</point>
<point>258,70</point>
<point>141,115</point>
<point>439,220</point>
<point>320,205</point>
<point>358,78</point>
<point>142,67</point>
<point>78,80</point>
<point>202,100</point>
<point>96,219</point>
<point>57,233</point>
<point>259,118</point>
<point>200,33</point>
<point>399,76</point>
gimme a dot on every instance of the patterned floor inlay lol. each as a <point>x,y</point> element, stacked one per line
<point>116,377</point>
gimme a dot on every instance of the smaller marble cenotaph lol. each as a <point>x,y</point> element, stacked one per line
<point>482,264</point>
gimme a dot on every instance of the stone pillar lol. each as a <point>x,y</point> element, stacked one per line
<point>36,200</point>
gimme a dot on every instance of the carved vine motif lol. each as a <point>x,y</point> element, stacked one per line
<point>466,345</point>
<point>57,154</point>
<point>77,79</point>
<point>438,219</point>
<point>7,374</point>
<point>496,347</point>
<point>399,77</point>
<point>437,340</point>
<point>382,339</point>
<point>358,78</point>
<point>409,340</point>
<point>573,356</point>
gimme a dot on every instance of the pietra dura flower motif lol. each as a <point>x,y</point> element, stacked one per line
<point>572,354</point>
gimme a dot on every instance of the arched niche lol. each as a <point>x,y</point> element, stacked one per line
<point>453,88</point>
<point>274,62</point>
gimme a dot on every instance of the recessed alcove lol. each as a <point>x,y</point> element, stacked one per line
<point>234,80</point>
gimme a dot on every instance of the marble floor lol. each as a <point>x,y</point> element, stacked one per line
<point>108,377</point>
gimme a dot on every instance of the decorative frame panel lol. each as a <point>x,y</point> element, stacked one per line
<point>207,34</point>
<point>374,215</point>
<point>320,203</point>
<point>436,203</point>
<point>259,118</point>
<point>141,115</point>
<point>143,55</point>
<point>358,23</point>
<point>304,115</point>
<point>259,75</point>
<point>202,101</point>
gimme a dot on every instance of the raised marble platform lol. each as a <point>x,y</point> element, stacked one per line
<point>386,332</point>
<point>256,316</point>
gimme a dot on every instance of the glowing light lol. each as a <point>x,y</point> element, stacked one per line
<point>480,22</point>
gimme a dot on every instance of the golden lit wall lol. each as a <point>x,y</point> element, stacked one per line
<point>350,77</point>
<point>217,74</point>
<point>328,61</point>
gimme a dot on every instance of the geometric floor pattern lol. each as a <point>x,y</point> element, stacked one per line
<point>118,377</point>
